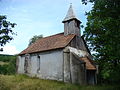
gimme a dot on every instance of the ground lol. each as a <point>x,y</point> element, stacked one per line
<point>23,82</point>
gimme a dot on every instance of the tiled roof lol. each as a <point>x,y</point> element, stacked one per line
<point>49,43</point>
<point>89,63</point>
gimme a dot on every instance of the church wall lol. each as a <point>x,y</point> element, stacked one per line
<point>78,70</point>
<point>45,65</point>
<point>74,69</point>
<point>66,66</point>
<point>51,65</point>
<point>78,43</point>
<point>34,65</point>
<point>20,64</point>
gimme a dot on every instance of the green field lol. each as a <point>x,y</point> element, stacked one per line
<point>22,82</point>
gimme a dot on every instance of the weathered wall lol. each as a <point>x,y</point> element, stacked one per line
<point>46,65</point>
<point>34,64</point>
<point>74,69</point>
<point>79,45</point>
<point>51,65</point>
<point>78,70</point>
<point>66,66</point>
<point>72,27</point>
<point>21,60</point>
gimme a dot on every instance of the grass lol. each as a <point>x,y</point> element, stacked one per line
<point>23,82</point>
<point>3,63</point>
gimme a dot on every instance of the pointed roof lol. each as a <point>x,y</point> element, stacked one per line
<point>70,15</point>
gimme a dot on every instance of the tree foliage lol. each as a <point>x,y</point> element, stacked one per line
<point>103,36</point>
<point>34,38</point>
<point>10,64</point>
<point>6,31</point>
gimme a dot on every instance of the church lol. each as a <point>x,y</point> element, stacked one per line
<point>62,57</point>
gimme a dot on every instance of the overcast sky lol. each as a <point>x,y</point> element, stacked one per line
<point>35,17</point>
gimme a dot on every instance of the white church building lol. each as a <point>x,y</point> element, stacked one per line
<point>63,57</point>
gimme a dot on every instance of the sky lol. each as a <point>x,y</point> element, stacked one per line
<point>36,17</point>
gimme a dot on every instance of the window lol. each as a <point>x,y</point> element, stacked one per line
<point>38,62</point>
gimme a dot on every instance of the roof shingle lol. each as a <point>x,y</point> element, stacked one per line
<point>49,43</point>
<point>89,63</point>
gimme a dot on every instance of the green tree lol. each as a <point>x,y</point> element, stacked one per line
<point>103,36</point>
<point>6,31</point>
<point>34,38</point>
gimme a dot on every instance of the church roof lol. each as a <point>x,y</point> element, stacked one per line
<point>89,63</point>
<point>70,15</point>
<point>49,43</point>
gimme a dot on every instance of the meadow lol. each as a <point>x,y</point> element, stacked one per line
<point>23,82</point>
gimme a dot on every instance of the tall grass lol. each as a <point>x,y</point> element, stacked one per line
<point>23,82</point>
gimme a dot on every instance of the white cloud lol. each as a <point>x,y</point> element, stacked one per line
<point>11,50</point>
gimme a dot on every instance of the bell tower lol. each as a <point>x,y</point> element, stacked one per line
<point>71,23</point>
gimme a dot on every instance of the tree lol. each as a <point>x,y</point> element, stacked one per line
<point>103,36</point>
<point>34,38</point>
<point>6,31</point>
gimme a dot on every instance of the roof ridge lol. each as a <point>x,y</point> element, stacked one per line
<point>54,35</point>
<point>48,37</point>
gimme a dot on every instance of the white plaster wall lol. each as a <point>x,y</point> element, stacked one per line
<point>33,65</point>
<point>51,65</point>
<point>21,60</point>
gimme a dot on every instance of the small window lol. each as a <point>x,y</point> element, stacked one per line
<point>38,62</point>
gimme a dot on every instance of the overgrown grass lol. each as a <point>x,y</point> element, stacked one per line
<point>23,82</point>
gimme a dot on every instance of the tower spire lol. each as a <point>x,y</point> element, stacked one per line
<point>70,14</point>
<point>71,23</point>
